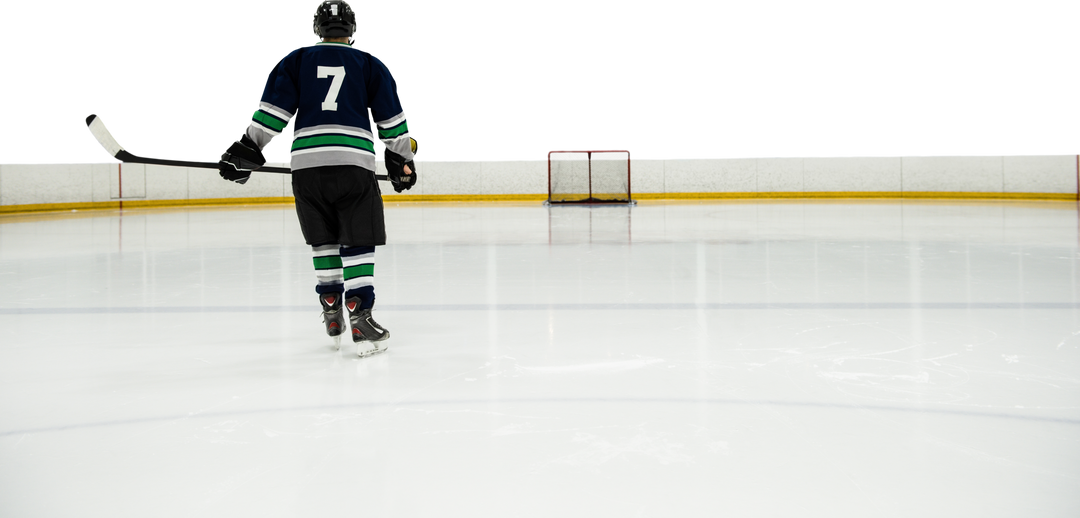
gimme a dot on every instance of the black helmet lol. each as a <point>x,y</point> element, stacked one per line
<point>334,19</point>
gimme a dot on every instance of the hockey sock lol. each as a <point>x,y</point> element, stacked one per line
<point>358,264</point>
<point>327,260</point>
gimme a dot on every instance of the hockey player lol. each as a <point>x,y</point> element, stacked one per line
<point>328,88</point>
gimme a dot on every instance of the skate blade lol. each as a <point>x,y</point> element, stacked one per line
<point>376,348</point>
<point>337,342</point>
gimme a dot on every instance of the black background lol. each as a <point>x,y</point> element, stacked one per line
<point>674,79</point>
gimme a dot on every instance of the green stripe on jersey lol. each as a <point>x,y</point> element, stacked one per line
<point>327,263</point>
<point>360,270</point>
<point>269,121</point>
<point>333,140</point>
<point>398,130</point>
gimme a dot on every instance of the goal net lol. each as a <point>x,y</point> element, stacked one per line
<point>589,177</point>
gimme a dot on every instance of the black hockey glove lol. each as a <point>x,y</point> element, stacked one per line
<point>229,172</point>
<point>395,171</point>
<point>242,157</point>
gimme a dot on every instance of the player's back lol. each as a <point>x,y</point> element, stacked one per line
<point>333,81</point>
<point>328,88</point>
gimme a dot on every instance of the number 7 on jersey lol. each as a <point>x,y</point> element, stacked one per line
<point>337,74</point>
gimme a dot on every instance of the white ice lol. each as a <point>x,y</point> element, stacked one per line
<point>841,359</point>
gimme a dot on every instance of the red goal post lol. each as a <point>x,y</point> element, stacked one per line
<point>588,177</point>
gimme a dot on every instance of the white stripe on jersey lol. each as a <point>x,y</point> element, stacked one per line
<point>260,135</point>
<point>268,131</point>
<point>335,129</point>
<point>404,136</point>
<point>392,121</point>
<point>275,111</point>
<point>332,148</point>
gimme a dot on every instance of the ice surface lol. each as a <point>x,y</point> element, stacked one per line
<point>681,359</point>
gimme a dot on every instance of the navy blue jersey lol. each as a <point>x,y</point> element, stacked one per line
<point>329,88</point>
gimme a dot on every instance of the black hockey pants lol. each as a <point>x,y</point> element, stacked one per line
<point>339,204</point>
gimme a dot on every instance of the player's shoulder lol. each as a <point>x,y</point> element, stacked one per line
<point>364,53</point>
<point>292,53</point>
<point>298,49</point>
<point>374,57</point>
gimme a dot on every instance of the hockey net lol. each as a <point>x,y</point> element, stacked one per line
<point>589,177</point>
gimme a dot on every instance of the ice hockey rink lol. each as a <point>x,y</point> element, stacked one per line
<point>736,358</point>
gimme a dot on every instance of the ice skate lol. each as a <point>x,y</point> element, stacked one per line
<point>367,334</point>
<point>333,316</point>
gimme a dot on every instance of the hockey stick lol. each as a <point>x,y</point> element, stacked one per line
<point>101,133</point>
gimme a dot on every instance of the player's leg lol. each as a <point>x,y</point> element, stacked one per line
<point>362,229</point>
<point>319,224</point>
<point>330,286</point>
<point>358,264</point>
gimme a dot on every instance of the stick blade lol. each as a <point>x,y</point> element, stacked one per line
<point>101,133</point>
